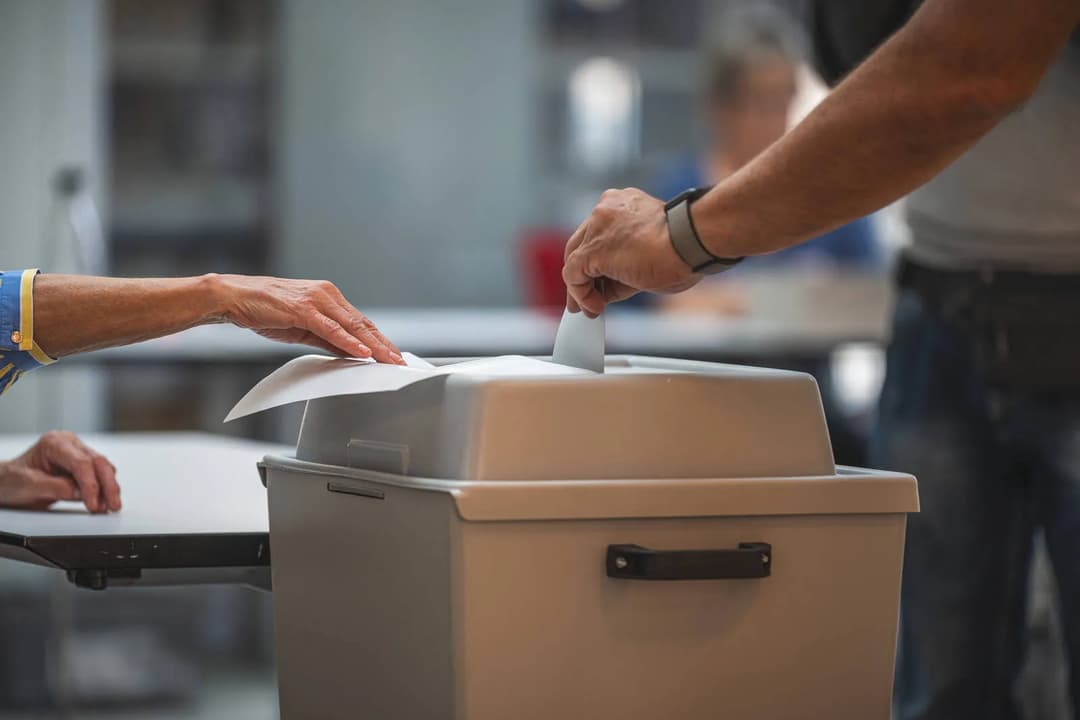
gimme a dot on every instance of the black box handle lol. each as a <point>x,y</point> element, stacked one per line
<point>634,562</point>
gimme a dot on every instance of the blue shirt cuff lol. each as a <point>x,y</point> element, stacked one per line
<point>19,353</point>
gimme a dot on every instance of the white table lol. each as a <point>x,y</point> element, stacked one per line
<point>194,512</point>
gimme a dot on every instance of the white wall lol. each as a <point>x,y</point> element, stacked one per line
<point>51,101</point>
<point>403,145</point>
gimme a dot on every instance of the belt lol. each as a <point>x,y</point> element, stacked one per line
<point>934,281</point>
<point>1025,327</point>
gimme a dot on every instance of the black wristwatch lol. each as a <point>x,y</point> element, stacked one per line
<point>685,239</point>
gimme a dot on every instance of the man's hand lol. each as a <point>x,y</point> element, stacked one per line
<point>622,248</point>
<point>312,312</point>
<point>59,467</point>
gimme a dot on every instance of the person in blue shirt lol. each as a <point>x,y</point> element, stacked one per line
<point>749,88</point>
<point>47,317</point>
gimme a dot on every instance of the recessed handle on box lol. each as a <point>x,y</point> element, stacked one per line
<point>634,562</point>
<point>345,489</point>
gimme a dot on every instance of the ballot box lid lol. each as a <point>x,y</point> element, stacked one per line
<point>846,491</point>
<point>643,418</point>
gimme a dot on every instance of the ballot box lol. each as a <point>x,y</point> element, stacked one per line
<point>666,539</point>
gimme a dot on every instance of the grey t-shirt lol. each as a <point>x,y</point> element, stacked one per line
<point>1013,200</point>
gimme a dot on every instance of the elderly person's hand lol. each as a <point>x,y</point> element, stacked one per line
<point>312,312</point>
<point>75,313</point>
<point>623,247</point>
<point>59,467</point>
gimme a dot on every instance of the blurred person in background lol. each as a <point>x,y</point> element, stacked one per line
<point>749,87</point>
<point>46,317</point>
<point>975,106</point>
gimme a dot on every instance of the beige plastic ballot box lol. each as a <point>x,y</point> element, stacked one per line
<point>669,539</point>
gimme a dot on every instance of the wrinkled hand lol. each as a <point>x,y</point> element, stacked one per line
<point>59,467</point>
<point>622,248</point>
<point>312,312</point>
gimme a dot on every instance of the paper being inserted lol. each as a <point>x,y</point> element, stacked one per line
<point>579,342</point>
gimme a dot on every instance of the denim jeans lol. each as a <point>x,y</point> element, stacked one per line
<point>993,466</point>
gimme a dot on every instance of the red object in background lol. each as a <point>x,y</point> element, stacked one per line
<point>541,264</point>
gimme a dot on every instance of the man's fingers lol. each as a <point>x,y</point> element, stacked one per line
<point>582,286</point>
<point>571,245</point>
<point>575,240</point>
<point>590,300</point>
<point>617,292</point>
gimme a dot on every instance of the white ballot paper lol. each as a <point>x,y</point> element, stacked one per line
<point>579,342</point>
<point>317,376</point>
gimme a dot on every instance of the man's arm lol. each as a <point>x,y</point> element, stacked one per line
<point>930,92</point>
<point>74,313</point>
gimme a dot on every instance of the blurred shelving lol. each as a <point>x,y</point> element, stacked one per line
<point>190,83</point>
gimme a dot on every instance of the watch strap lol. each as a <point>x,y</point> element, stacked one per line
<point>685,240</point>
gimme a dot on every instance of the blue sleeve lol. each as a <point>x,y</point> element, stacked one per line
<point>855,244</point>
<point>682,174</point>
<point>19,353</point>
